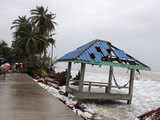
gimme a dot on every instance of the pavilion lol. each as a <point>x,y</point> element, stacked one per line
<point>100,52</point>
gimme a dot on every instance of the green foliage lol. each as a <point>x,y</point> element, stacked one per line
<point>7,52</point>
<point>43,73</point>
<point>45,25</point>
<point>36,66</point>
<point>32,37</point>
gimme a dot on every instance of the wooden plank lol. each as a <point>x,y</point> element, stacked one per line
<point>95,82</point>
<point>98,96</point>
<point>100,84</point>
<point>132,73</point>
<point>108,89</point>
<point>68,75</point>
<point>104,96</point>
<point>83,65</point>
<point>120,87</point>
<point>104,85</point>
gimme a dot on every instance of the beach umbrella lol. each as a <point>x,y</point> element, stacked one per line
<point>5,66</point>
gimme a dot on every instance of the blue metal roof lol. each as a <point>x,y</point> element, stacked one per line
<point>120,54</point>
<point>72,54</point>
<point>83,53</point>
<point>98,52</point>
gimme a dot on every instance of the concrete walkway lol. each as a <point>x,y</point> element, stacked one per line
<point>22,99</point>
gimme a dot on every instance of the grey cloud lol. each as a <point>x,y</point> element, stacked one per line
<point>130,25</point>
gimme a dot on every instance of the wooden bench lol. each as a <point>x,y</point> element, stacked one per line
<point>100,84</point>
<point>89,83</point>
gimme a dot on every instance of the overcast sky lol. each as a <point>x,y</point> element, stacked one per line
<point>133,26</point>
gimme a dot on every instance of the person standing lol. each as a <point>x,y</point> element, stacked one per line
<point>21,66</point>
<point>16,67</point>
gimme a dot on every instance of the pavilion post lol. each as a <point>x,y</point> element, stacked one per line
<point>108,88</point>
<point>83,66</point>
<point>68,75</point>
<point>132,73</point>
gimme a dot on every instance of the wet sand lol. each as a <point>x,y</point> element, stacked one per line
<point>22,99</point>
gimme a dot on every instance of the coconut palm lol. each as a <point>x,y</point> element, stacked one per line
<point>3,44</point>
<point>33,35</point>
<point>26,37</point>
<point>3,48</point>
<point>52,41</point>
<point>43,20</point>
<point>6,51</point>
<point>45,24</point>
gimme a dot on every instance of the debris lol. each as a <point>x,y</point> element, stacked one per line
<point>68,99</point>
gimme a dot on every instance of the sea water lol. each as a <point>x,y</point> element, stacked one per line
<point>146,92</point>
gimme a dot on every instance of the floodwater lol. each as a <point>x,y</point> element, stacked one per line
<point>146,96</point>
<point>146,93</point>
<point>22,99</point>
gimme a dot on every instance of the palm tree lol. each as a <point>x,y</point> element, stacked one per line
<point>3,48</point>
<point>43,20</point>
<point>52,41</point>
<point>3,44</point>
<point>32,36</point>
<point>26,37</point>
<point>6,51</point>
<point>45,24</point>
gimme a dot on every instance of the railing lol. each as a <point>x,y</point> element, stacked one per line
<point>89,83</point>
<point>100,84</point>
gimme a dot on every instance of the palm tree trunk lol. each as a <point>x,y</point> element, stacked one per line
<point>52,55</point>
<point>44,57</point>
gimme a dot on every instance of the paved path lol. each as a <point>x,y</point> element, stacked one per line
<point>22,99</point>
